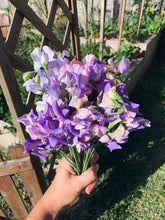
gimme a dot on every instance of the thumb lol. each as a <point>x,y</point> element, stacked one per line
<point>88,176</point>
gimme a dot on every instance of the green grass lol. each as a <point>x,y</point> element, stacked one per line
<point>132,180</point>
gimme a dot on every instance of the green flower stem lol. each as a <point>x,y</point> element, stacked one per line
<point>79,161</point>
<point>75,155</point>
<point>87,159</point>
<point>63,154</point>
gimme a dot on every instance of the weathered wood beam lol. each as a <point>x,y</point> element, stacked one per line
<point>20,64</point>
<point>15,29</point>
<point>102,18</point>
<point>67,35</point>
<point>10,88</point>
<point>66,10</point>
<point>15,166</point>
<point>75,29</point>
<point>140,17</point>
<point>50,20</point>
<point>36,21</point>
<point>13,199</point>
<point>121,21</point>
<point>28,177</point>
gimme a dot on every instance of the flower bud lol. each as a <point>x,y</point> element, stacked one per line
<point>28,75</point>
<point>37,79</point>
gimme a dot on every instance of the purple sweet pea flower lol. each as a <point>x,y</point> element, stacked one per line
<point>58,111</point>
<point>32,86</point>
<point>56,142</point>
<point>37,148</point>
<point>27,119</point>
<point>41,57</point>
<point>123,66</point>
<point>112,145</point>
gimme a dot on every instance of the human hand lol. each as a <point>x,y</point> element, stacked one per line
<point>65,188</point>
<point>68,185</point>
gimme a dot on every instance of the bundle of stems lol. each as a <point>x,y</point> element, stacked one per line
<point>78,160</point>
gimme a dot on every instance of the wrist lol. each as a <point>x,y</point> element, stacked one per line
<point>53,202</point>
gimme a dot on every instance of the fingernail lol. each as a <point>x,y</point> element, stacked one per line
<point>89,190</point>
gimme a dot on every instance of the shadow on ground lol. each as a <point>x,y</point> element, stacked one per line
<point>123,171</point>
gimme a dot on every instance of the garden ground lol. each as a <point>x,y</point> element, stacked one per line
<point>132,180</point>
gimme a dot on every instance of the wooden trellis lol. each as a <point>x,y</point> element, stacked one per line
<point>22,165</point>
<point>9,60</point>
<point>8,82</point>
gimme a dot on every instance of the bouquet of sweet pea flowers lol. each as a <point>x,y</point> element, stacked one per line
<point>82,104</point>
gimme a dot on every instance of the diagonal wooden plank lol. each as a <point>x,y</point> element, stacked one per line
<point>66,10</point>
<point>2,215</point>
<point>123,4</point>
<point>71,32</point>
<point>140,17</point>
<point>32,186</point>
<point>28,177</point>
<point>36,21</point>
<point>75,29</point>
<point>50,20</point>
<point>11,196</point>
<point>10,88</point>
<point>67,34</point>
<point>20,64</point>
<point>15,29</point>
<point>29,102</point>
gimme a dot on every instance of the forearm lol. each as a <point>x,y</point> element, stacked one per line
<point>47,208</point>
<point>65,188</point>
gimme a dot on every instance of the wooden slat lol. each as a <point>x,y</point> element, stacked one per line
<point>72,33</point>
<point>17,152</point>
<point>15,29</point>
<point>11,196</point>
<point>67,34</point>
<point>102,18</point>
<point>4,23</point>
<point>32,186</point>
<point>75,29</point>
<point>29,102</point>
<point>36,21</point>
<point>28,177</point>
<point>15,166</point>
<point>121,21</point>
<point>20,64</point>
<point>66,10</point>
<point>10,88</point>
<point>50,20</point>
<point>2,215</point>
<point>140,17</point>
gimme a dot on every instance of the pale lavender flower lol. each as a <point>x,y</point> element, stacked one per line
<point>42,57</point>
<point>123,66</point>
<point>113,145</point>
<point>32,86</point>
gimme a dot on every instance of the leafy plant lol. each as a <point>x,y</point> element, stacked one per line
<point>111,29</point>
<point>93,48</point>
<point>127,50</point>
<point>151,23</point>
<point>129,27</point>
